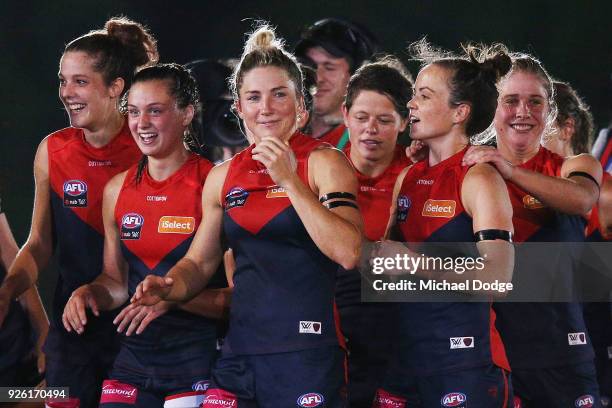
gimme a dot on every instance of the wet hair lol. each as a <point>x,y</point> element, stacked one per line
<point>473,79</point>
<point>183,88</point>
<point>387,76</point>
<point>263,49</point>
<point>526,63</point>
<point>118,50</point>
<point>570,105</point>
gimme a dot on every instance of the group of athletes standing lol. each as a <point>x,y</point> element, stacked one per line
<point>142,222</point>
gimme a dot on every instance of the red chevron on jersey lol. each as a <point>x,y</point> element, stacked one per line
<point>78,171</point>
<point>430,197</point>
<point>375,194</point>
<point>164,213</point>
<point>248,185</point>
<point>529,214</point>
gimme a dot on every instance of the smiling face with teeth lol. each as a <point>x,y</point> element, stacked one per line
<point>156,122</point>
<point>89,101</point>
<point>521,114</point>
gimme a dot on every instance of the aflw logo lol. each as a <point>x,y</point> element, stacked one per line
<point>576,339</point>
<point>461,342</point>
<point>310,327</point>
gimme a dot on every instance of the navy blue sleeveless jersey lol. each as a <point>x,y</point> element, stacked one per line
<point>157,221</point>
<point>442,337</point>
<point>15,334</point>
<point>283,284</point>
<point>539,335</point>
<point>78,173</point>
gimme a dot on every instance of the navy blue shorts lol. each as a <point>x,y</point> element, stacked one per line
<point>306,378</point>
<point>169,393</point>
<point>482,387</point>
<point>568,386</point>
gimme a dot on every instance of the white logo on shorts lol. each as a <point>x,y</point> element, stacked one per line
<point>310,327</point>
<point>461,342</point>
<point>576,339</point>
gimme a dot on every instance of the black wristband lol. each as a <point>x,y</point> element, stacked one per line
<point>585,175</point>
<point>492,234</point>
<point>338,194</point>
<point>341,203</point>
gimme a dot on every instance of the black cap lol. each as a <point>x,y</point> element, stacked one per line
<point>341,39</point>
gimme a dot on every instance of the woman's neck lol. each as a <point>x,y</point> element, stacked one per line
<point>441,148</point>
<point>103,135</point>
<point>160,168</point>
<point>517,157</point>
<point>370,168</point>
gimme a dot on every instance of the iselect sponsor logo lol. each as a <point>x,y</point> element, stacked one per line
<point>439,208</point>
<point>173,224</point>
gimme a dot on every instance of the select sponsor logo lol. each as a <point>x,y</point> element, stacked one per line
<point>439,208</point>
<point>586,401</point>
<point>403,206</point>
<point>531,202</point>
<point>201,385</point>
<point>310,327</point>
<point>117,392</point>
<point>461,342</point>
<point>385,400</point>
<point>312,399</point>
<point>276,192</point>
<point>576,339</point>
<point>236,197</point>
<point>172,224</point>
<point>75,193</point>
<point>453,399</point>
<point>131,226</point>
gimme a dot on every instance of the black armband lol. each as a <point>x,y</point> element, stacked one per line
<point>492,234</point>
<point>585,175</point>
<point>338,194</point>
<point>341,203</point>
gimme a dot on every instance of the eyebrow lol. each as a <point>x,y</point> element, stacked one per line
<point>426,88</point>
<point>278,88</point>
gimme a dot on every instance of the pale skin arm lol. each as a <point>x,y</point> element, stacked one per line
<point>191,274</point>
<point>605,208</point>
<point>336,232</point>
<point>109,290</point>
<point>30,300</point>
<point>485,198</point>
<point>35,254</point>
<point>575,195</point>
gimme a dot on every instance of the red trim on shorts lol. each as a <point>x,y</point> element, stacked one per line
<point>184,394</point>
<point>498,351</point>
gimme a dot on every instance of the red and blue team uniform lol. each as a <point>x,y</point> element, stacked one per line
<point>170,360</point>
<point>17,365</point>
<point>547,343</point>
<point>369,327</point>
<point>78,173</point>
<point>598,315</point>
<point>282,347</point>
<point>450,354</point>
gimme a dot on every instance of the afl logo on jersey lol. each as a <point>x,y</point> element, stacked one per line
<point>453,399</point>
<point>403,205</point>
<point>201,385</point>
<point>312,399</point>
<point>586,401</point>
<point>236,197</point>
<point>75,193</point>
<point>131,225</point>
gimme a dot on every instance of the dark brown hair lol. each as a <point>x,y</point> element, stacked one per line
<point>118,49</point>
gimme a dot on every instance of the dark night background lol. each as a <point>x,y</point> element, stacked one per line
<point>572,38</point>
